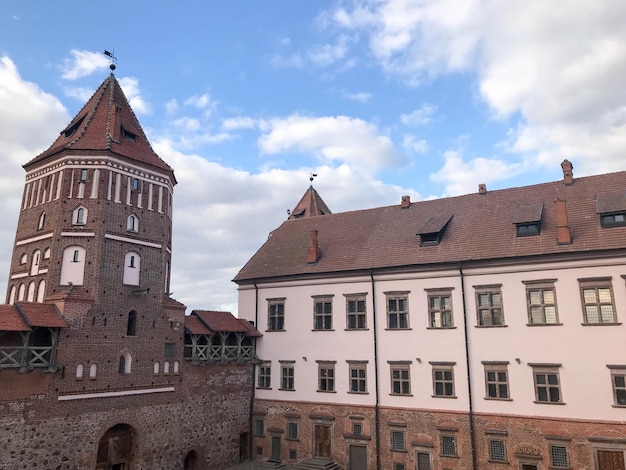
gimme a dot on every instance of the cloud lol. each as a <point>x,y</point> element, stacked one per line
<point>460,177</point>
<point>332,139</point>
<point>30,120</point>
<point>361,97</point>
<point>130,86</point>
<point>294,61</point>
<point>239,122</point>
<point>82,64</point>
<point>419,117</point>
<point>557,71</point>
<point>324,55</point>
<point>79,93</point>
<point>414,145</point>
<point>199,101</point>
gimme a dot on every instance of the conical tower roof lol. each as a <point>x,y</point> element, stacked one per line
<point>310,205</point>
<point>106,123</point>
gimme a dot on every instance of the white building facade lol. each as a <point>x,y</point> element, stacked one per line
<point>482,331</point>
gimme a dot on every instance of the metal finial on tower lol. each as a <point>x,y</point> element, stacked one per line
<point>312,175</point>
<point>112,58</point>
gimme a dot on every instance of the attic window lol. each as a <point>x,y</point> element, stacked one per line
<point>527,219</point>
<point>298,215</point>
<point>433,230</point>
<point>129,135</point>
<point>72,128</point>
<point>612,209</point>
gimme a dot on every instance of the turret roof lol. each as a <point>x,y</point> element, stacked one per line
<point>310,205</point>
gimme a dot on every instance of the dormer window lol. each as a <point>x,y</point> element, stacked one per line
<point>432,231</point>
<point>71,129</point>
<point>128,135</point>
<point>612,209</point>
<point>527,219</point>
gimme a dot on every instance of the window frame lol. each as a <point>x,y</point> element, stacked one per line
<point>618,390</point>
<point>443,381</point>
<point>553,462</point>
<point>605,283</point>
<point>490,290</point>
<point>440,294</point>
<point>403,382</point>
<point>326,376</point>
<point>353,315</point>
<point>490,446</point>
<point>497,367</point>
<point>264,375</point>
<point>609,220</point>
<point>357,366</point>
<point>399,444</point>
<point>276,317</point>
<point>323,320</point>
<point>547,370</point>
<point>401,316</point>
<point>287,376</point>
<point>445,434</point>
<point>541,286</point>
<point>259,427</point>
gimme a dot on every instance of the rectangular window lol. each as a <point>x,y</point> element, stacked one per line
<point>613,220</point>
<point>293,454</point>
<point>440,309</point>
<point>259,427</point>
<point>618,383</point>
<point>400,379</point>
<point>541,303</point>
<point>397,311</point>
<point>399,466</point>
<point>443,380</point>
<point>397,440</point>
<point>489,305</point>
<point>496,381</point>
<point>170,349</point>
<point>497,450</point>
<point>356,315</point>
<point>323,314</point>
<point>83,175</point>
<point>423,461</point>
<point>597,299</point>
<point>558,457</point>
<point>448,445</point>
<point>358,377</point>
<point>135,184</point>
<point>326,377</point>
<point>276,315</point>
<point>547,384</point>
<point>357,429</point>
<point>265,375</point>
<point>292,430</point>
<point>287,376</point>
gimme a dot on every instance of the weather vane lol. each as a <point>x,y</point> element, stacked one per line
<point>311,176</point>
<point>112,58</point>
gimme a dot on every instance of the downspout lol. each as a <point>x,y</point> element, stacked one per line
<point>377,392</point>
<point>469,374</point>
<point>254,363</point>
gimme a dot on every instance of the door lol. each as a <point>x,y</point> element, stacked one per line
<point>275,456</point>
<point>358,458</point>
<point>610,460</point>
<point>322,441</point>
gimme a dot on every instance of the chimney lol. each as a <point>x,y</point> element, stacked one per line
<point>405,202</point>
<point>563,235</point>
<point>482,188</point>
<point>314,250</point>
<point>568,175</point>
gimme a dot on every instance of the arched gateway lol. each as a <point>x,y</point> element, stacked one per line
<point>114,448</point>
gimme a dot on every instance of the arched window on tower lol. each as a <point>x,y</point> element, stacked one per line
<point>73,266</point>
<point>79,216</point>
<point>93,370</point>
<point>12,295</point>
<point>131,326</point>
<point>132,268</point>
<point>80,371</point>
<point>21,292</point>
<point>42,221</point>
<point>46,253</point>
<point>34,265</point>
<point>31,292</point>
<point>41,291</point>
<point>132,223</point>
<point>125,363</point>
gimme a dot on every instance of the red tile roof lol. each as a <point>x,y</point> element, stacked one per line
<point>481,228</point>
<point>310,205</point>
<point>252,331</point>
<point>11,319</point>
<point>46,315</point>
<point>26,315</point>
<point>195,326</point>
<point>220,321</point>
<point>105,123</point>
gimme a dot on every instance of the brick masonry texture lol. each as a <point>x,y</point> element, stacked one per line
<point>208,413</point>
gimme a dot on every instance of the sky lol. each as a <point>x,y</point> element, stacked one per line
<point>380,99</point>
